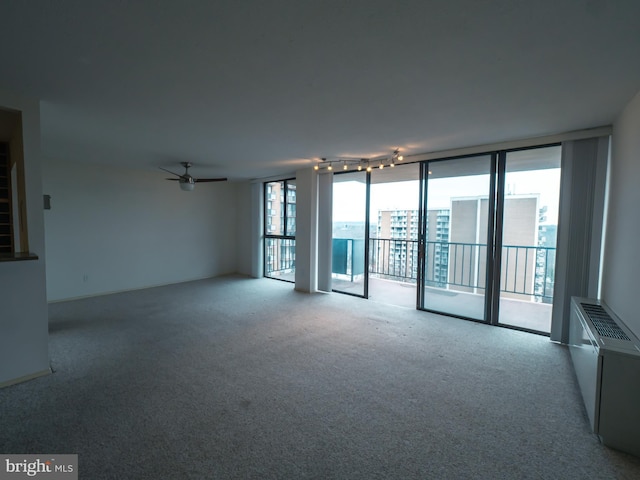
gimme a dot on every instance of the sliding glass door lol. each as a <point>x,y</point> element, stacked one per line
<point>488,237</point>
<point>456,215</point>
<point>529,224</point>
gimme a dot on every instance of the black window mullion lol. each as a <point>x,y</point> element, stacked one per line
<point>286,206</point>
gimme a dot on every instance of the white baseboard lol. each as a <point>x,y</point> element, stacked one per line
<point>133,289</point>
<point>26,378</point>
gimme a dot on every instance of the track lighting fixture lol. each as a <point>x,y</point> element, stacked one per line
<point>360,163</point>
<point>347,164</point>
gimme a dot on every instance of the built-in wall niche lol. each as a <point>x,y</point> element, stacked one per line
<point>14,239</point>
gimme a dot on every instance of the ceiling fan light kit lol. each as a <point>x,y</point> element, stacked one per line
<point>187,185</point>
<point>186,181</point>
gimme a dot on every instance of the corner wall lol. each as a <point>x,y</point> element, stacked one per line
<point>244,229</point>
<point>306,230</point>
<point>24,329</point>
<point>112,229</point>
<point>621,265</point>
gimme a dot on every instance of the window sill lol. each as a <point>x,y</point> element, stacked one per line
<point>16,257</point>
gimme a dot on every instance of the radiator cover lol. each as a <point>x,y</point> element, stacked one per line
<point>606,360</point>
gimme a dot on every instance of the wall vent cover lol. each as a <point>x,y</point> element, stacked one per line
<point>603,323</point>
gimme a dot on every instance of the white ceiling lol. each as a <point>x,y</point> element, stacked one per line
<point>249,88</point>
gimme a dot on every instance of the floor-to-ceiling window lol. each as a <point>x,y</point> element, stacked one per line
<point>489,237</point>
<point>349,238</point>
<point>476,235</point>
<point>375,233</point>
<point>393,244</point>
<point>280,229</point>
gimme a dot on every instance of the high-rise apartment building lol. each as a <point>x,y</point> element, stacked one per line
<point>437,247</point>
<point>456,247</point>
<point>468,239</point>
<point>396,249</point>
<point>545,262</point>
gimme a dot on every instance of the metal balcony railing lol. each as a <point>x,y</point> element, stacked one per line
<point>526,270</point>
<point>394,259</point>
<point>279,256</point>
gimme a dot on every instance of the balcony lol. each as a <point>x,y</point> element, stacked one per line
<point>456,278</point>
<point>454,281</point>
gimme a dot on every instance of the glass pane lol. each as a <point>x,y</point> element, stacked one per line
<point>456,236</point>
<point>291,208</point>
<point>274,204</point>
<point>530,224</point>
<point>279,248</point>
<point>279,258</point>
<point>393,243</point>
<point>349,220</point>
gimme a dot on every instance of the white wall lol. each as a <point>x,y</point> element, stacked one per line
<point>23,305</point>
<point>621,265</point>
<point>112,229</point>
<point>244,228</point>
<point>250,252</point>
<point>306,230</point>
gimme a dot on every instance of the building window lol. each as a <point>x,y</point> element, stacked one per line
<point>280,230</point>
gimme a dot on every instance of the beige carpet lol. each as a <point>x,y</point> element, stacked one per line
<point>246,378</point>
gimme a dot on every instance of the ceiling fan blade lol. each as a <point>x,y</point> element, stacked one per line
<point>172,179</point>
<point>201,180</point>
<point>172,173</point>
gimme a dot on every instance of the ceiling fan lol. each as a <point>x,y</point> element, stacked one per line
<point>187,182</point>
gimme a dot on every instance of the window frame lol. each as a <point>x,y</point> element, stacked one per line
<point>283,199</point>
